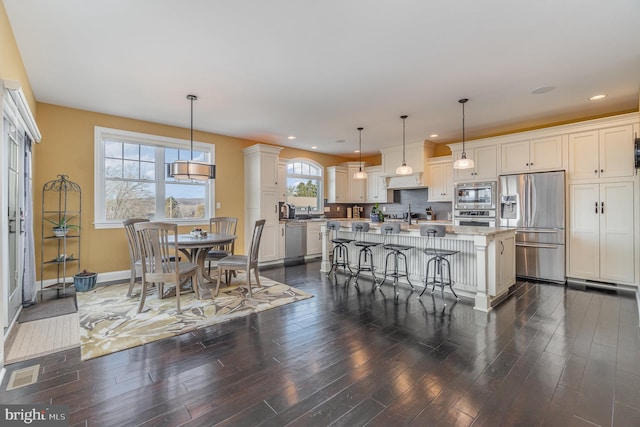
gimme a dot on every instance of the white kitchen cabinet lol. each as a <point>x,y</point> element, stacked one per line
<point>440,179</point>
<point>281,241</point>
<point>261,198</point>
<point>314,238</point>
<point>377,191</point>
<point>601,232</point>
<point>604,153</point>
<point>542,154</point>
<point>282,180</point>
<point>485,162</point>
<point>357,187</point>
<point>337,184</point>
<point>506,264</point>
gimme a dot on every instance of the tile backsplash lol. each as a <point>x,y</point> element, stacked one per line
<point>417,198</point>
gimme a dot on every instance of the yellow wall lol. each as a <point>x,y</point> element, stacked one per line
<point>11,66</point>
<point>68,148</point>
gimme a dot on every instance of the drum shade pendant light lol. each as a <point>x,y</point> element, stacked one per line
<point>403,169</point>
<point>188,169</point>
<point>360,174</point>
<point>463,162</point>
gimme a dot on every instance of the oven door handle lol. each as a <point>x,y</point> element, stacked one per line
<point>536,230</point>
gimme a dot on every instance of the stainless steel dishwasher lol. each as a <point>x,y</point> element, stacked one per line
<point>295,242</point>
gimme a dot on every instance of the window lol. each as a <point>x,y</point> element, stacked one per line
<point>304,185</point>
<point>131,179</point>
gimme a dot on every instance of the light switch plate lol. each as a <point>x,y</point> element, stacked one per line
<point>327,208</point>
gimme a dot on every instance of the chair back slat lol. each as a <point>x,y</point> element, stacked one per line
<point>224,225</point>
<point>255,243</point>
<point>160,257</point>
<point>132,238</point>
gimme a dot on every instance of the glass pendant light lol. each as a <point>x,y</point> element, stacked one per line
<point>188,169</point>
<point>404,169</point>
<point>360,174</point>
<point>463,162</point>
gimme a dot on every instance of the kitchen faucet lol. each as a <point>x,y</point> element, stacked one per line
<point>409,213</point>
<point>309,210</point>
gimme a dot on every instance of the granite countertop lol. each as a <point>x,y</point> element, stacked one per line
<point>451,229</point>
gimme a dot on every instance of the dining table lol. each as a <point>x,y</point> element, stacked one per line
<point>196,249</point>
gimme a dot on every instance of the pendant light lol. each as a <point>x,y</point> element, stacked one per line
<point>463,162</point>
<point>404,169</point>
<point>360,174</point>
<point>188,169</point>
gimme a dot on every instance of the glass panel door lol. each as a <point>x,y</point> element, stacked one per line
<point>13,141</point>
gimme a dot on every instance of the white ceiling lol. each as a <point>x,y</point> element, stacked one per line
<point>265,70</point>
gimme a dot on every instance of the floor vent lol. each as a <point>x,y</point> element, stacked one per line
<point>23,377</point>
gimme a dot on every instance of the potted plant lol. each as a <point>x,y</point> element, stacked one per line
<point>376,214</point>
<point>62,226</point>
<point>85,281</point>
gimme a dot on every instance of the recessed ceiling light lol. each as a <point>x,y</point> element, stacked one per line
<point>597,97</point>
<point>434,135</point>
<point>314,148</point>
<point>356,151</point>
<point>291,137</point>
<point>543,89</point>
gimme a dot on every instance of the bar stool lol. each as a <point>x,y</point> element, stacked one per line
<point>340,252</point>
<point>395,252</point>
<point>438,259</point>
<point>365,250</point>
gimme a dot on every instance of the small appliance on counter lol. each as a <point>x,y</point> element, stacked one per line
<point>349,213</point>
<point>356,211</point>
<point>287,210</point>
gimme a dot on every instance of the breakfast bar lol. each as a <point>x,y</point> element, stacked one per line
<point>484,268</point>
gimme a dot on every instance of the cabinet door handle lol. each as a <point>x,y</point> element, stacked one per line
<point>602,207</point>
<point>282,232</point>
<point>320,235</point>
<point>526,164</point>
<point>595,171</point>
<point>596,207</point>
<point>601,170</point>
<point>501,247</point>
<point>275,208</point>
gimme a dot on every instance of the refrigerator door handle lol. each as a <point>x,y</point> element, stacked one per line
<point>539,245</point>
<point>537,230</point>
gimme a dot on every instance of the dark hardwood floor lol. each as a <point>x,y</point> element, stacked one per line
<point>548,355</point>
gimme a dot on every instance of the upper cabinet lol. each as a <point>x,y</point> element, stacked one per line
<point>485,161</point>
<point>282,180</point>
<point>416,155</point>
<point>535,155</point>
<point>377,191</point>
<point>357,187</point>
<point>604,153</point>
<point>337,184</point>
<point>440,179</point>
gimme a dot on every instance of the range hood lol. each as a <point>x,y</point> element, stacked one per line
<point>404,182</point>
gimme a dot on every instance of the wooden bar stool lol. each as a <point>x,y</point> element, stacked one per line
<point>396,252</point>
<point>340,252</point>
<point>438,257</point>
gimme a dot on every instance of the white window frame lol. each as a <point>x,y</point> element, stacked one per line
<point>102,133</point>
<point>320,178</point>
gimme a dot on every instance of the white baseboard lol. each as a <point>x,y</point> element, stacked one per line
<point>109,276</point>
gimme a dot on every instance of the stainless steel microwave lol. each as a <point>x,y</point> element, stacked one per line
<point>475,195</point>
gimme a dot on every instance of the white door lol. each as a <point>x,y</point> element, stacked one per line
<point>14,147</point>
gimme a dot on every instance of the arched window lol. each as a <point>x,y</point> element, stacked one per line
<point>304,186</point>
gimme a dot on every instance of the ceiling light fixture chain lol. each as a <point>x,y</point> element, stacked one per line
<point>463,162</point>
<point>404,169</point>
<point>188,169</point>
<point>360,174</point>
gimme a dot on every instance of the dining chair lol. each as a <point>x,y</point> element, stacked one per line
<point>221,225</point>
<point>135,256</point>
<point>244,262</point>
<point>162,264</point>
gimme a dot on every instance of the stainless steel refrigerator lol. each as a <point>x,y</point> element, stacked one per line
<point>534,203</point>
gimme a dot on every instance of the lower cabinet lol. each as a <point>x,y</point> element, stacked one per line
<point>601,232</point>
<point>314,238</point>
<point>505,264</point>
<point>281,241</point>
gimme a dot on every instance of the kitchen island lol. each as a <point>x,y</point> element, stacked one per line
<point>484,268</point>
